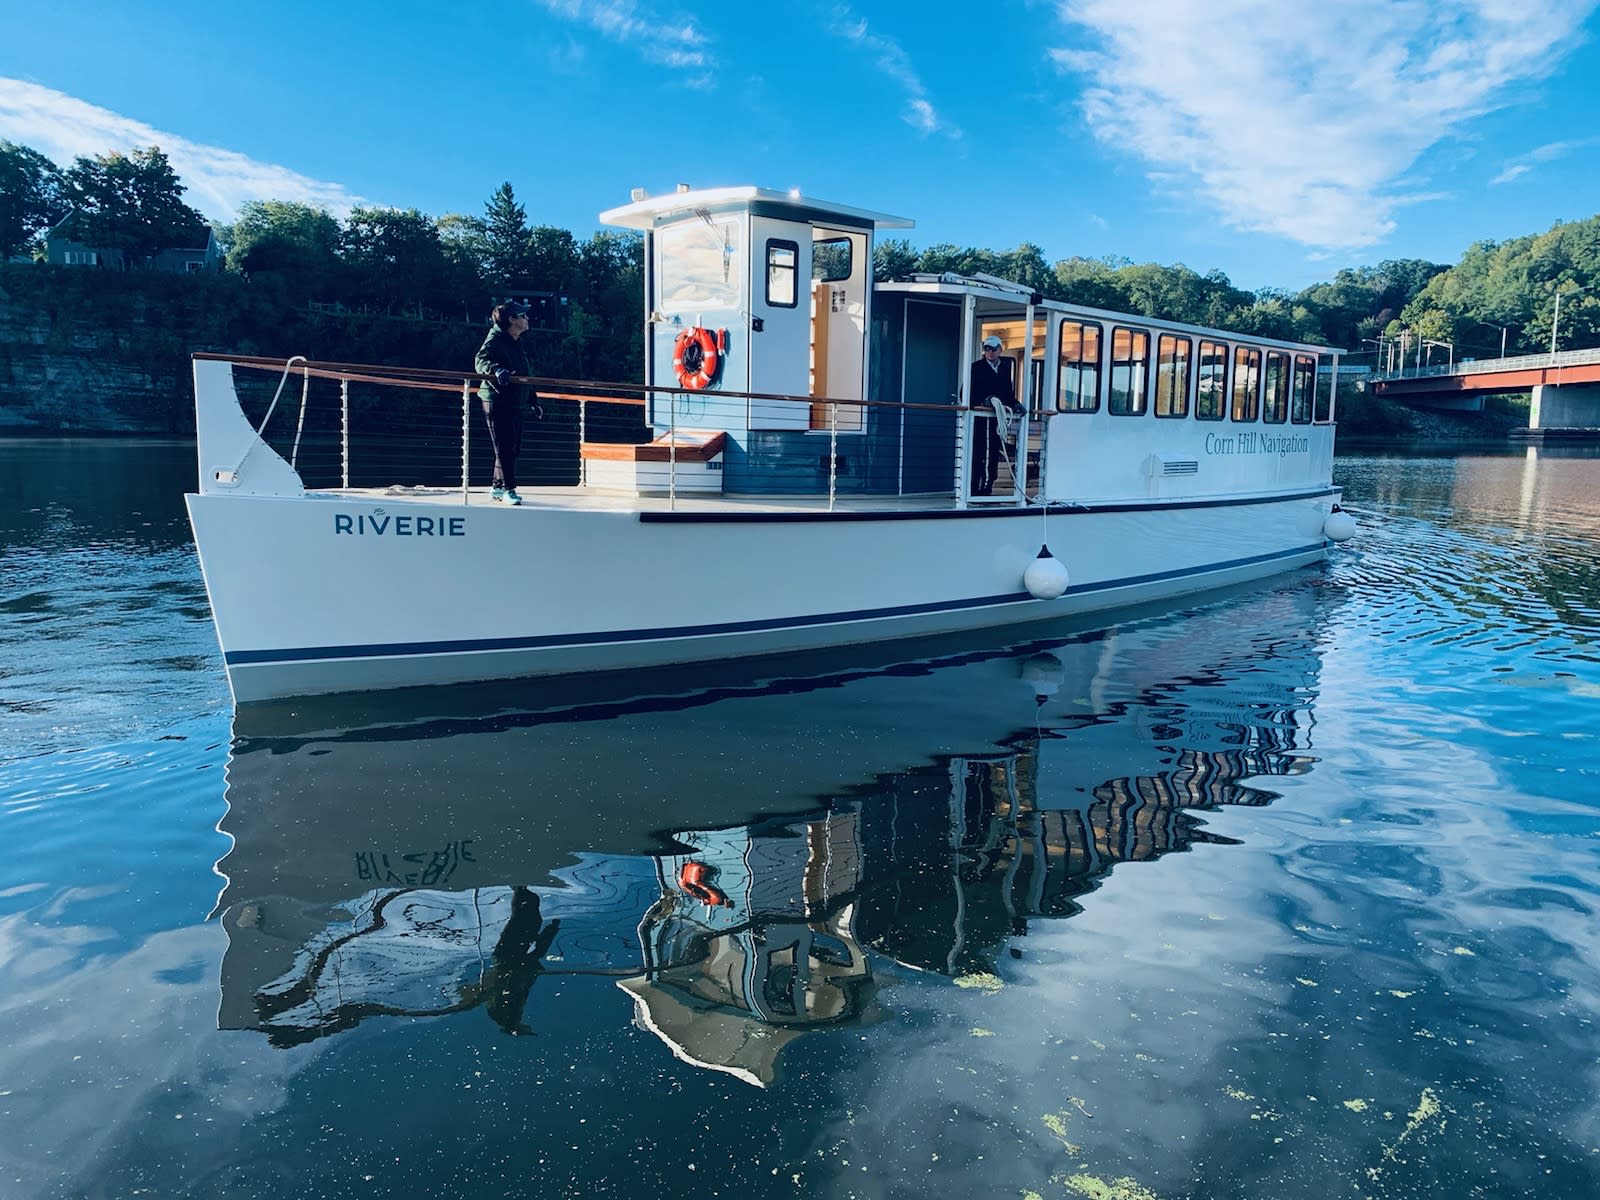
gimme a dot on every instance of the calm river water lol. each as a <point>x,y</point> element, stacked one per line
<point>1290,893</point>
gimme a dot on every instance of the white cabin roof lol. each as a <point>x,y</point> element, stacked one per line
<point>649,212</point>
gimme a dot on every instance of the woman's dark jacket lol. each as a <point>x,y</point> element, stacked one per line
<point>501,351</point>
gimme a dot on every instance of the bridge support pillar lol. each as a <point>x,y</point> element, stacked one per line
<point>1565,406</point>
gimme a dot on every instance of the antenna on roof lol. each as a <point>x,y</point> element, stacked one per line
<point>997,282</point>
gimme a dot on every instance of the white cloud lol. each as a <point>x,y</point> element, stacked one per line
<point>1517,167</point>
<point>62,128</point>
<point>1303,121</point>
<point>670,41</point>
<point>892,61</point>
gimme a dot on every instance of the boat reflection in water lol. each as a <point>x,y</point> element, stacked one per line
<point>743,858</point>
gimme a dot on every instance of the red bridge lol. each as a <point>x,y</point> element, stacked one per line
<point>1565,387</point>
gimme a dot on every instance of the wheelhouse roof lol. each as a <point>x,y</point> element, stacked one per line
<point>653,211</point>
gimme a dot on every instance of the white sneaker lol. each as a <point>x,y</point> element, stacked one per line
<point>511,498</point>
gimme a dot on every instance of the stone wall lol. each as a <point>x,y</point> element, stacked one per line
<point>83,352</point>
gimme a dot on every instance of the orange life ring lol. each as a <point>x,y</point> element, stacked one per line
<point>695,878</point>
<point>696,356</point>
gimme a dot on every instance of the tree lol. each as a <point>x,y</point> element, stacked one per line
<point>553,262</point>
<point>393,258</point>
<point>297,242</point>
<point>130,202</point>
<point>893,260</point>
<point>1090,281</point>
<point>465,243</point>
<point>30,196</point>
<point>506,248</point>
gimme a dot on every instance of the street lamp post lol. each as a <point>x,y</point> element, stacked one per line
<point>1502,329</point>
<point>1377,345</point>
<point>1555,321</point>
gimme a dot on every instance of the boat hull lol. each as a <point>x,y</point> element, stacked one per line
<point>340,592</point>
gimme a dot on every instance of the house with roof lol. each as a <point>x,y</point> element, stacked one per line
<point>194,251</point>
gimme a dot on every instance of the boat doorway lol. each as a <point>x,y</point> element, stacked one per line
<point>1018,434</point>
<point>932,376</point>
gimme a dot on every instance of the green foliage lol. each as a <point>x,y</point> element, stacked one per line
<point>893,260</point>
<point>130,202</point>
<point>393,259</point>
<point>31,197</point>
<point>400,286</point>
<point>1514,284</point>
<point>465,243</point>
<point>296,243</point>
<point>1367,415</point>
<point>505,238</point>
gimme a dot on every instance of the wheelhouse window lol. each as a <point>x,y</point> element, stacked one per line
<point>1275,402</point>
<point>1211,391</point>
<point>1078,371</point>
<point>1172,375</point>
<point>1305,389</point>
<point>830,260</point>
<point>1130,371</point>
<point>700,266</point>
<point>1246,383</point>
<point>783,269</point>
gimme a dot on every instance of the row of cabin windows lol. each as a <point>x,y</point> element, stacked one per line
<point>1276,388</point>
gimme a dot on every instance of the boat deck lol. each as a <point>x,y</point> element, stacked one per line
<point>535,499</point>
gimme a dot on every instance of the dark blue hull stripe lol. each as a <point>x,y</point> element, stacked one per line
<point>237,658</point>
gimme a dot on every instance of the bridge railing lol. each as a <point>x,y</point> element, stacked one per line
<point>1481,366</point>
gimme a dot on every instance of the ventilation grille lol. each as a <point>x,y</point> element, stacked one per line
<point>1187,467</point>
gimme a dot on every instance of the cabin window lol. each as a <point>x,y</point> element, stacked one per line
<point>1130,371</point>
<point>1172,375</point>
<point>1275,402</point>
<point>700,266</point>
<point>1210,398</point>
<point>1322,401</point>
<point>783,270</point>
<point>1078,372</point>
<point>1305,387</point>
<point>1246,383</point>
<point>831,260</point>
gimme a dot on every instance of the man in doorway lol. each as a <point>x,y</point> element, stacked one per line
<point>989,381</point>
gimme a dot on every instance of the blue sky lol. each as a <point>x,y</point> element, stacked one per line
<point>1272,140</point>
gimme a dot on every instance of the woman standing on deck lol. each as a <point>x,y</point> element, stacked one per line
<point>501,360</point>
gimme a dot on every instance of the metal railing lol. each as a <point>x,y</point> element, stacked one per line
<point>364,426</point>
<point>1485,366</point>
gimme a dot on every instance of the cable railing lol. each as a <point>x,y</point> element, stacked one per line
<point>361,426</point>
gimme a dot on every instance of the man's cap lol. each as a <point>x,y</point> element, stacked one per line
<point>991,342</point>
<point>514,308</point>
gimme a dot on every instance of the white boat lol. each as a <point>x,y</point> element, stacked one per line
<point>806,479</point>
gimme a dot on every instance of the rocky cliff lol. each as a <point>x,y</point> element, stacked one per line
<point>81,359</point>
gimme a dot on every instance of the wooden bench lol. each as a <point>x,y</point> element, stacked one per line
<point>694,456</point>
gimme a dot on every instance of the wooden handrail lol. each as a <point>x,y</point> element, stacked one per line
<point>425,379</point>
